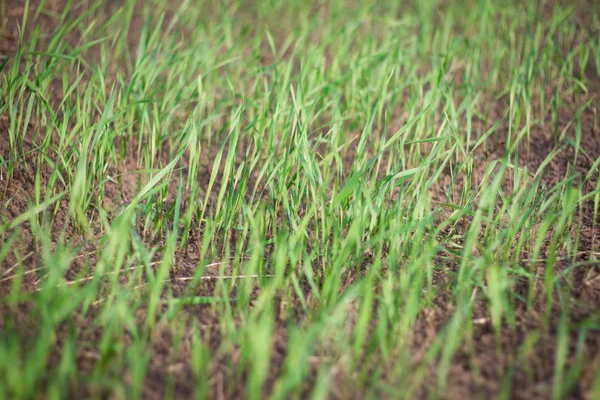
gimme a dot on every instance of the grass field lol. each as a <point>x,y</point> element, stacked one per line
<point>299,199</point>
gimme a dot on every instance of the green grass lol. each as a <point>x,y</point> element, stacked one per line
<point>299,198</point>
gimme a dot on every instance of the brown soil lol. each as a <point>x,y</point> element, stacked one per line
<point>478,368</point>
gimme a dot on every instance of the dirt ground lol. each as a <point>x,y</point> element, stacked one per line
<point>464,381</point>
